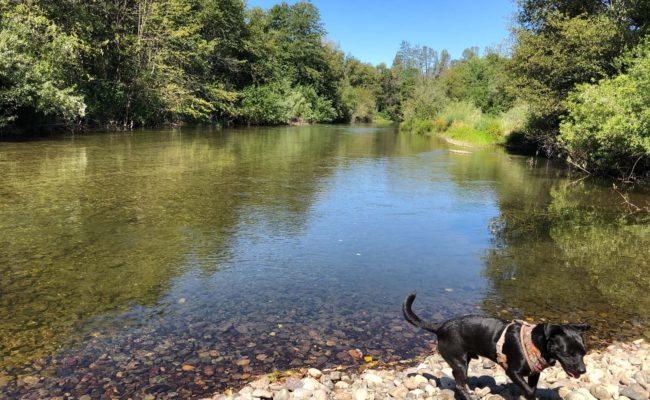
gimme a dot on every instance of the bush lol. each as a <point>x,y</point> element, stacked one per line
<point>464,111</point>
<point>420,126</point>
<point>608,126</point>
<point>36,58</point>
<point>440,124</point>
<point>266,104</point>
<point>515,119</point>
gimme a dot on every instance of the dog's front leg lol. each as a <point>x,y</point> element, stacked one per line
<point>532,381</point>
<point>529,392</point>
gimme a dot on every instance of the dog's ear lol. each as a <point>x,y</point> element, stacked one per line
<point>580,327</point>
<point>551,330</point>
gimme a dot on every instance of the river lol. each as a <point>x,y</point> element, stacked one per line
<point>181,262</point>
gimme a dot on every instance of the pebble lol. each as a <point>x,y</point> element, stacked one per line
<point>361,394</point>
<point>411,383</point>
<point>262,393</point>
<point>31,380</point>
<point>610,377</point>
<point>310,384</point>
<point>282,394</point>
<point>635,392</point>
<point>293,383</point>
<point>341,385</point>
<point>314,373</point>
<point>373,379</point>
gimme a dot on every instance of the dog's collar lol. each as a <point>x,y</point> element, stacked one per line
<point>534,358</point>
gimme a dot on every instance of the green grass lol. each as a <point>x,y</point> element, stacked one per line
<point>463,122</point>
<point>381,119</point>
<point>471,136</point>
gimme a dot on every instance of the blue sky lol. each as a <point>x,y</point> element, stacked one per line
<point>372,30</point>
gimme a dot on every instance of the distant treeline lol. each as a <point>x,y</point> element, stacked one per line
<point>575,82</point>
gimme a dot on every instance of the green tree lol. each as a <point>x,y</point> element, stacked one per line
<point>547,65</point>
<point>608,125</point>
<point>37,62</point>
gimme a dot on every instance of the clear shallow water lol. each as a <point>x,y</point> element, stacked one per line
<point>142,252</point>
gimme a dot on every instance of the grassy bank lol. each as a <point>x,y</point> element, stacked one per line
<point>465,123</point>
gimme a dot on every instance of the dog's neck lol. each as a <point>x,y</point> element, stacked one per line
<point>539,339</point>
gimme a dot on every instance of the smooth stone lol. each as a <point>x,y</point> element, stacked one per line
<point>642,378</point>
<point>421,380</point>
<point>411,383</point>
<point>373,379</point>
<point>314,373</point>
<point>600,392</point>
<point>635,392</point>
<point>293,383</point>
<point>361,394</point>
<point>320,395</point>
<point>335,376</point>
<point>281,395</point>
<point>342,396</point>
<point>447,394</point>
<point>31,380</point>
<point>575,395</point>
<point>246,390</point>
<point>262,393</point>
<point>261,383</point>
<point>415,394</point>
<point>399,392</point>
<point>341,385</point>
<point>310,384</point>
<point>430,389</point>
<point>596,375</point>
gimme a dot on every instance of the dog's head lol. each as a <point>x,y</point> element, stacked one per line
<point>566,344</point>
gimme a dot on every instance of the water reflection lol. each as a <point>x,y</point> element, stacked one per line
<point>577,255</point>
<point>154,249</point>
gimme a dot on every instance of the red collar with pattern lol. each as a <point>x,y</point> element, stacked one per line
<point>534,358</point>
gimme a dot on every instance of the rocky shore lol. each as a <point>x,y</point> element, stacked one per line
<point>620,371</point>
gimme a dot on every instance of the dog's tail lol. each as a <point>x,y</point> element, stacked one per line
<point>414,319</point>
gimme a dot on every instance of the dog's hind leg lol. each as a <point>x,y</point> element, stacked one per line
<point>459,369</point>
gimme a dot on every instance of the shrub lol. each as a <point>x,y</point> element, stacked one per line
<point>515,119</point>
<point>266,104</point>
<point>608,126</point>
<point>464,111</point>
<point>440,124</point>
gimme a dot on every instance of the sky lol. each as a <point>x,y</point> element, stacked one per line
<point>372,30</point>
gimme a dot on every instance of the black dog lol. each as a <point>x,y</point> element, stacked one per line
<point>521,355</point>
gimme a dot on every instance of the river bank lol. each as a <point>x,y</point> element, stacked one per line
<point>620,371</point>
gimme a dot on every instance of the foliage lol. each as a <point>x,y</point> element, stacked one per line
<point>608,126</point>
<point>36,59</point>
<point>549,64</point>
<point>148,62</point>
<point>427,101</point>
<point>482,80</point>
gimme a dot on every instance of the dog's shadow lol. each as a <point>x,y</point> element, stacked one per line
<point>508,391</point>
